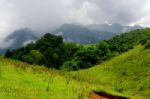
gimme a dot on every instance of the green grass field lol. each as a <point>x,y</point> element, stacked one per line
<point>22,81</point>
<point>127,75</point>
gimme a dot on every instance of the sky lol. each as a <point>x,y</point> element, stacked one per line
<point>48,14</point>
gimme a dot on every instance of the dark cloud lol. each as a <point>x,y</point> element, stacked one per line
<point>48,14</point>
<point>41,14</point>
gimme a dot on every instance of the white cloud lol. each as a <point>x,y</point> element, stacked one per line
<point>8,21</point>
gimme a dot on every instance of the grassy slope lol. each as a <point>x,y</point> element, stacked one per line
<point>127,75</point>
<point>22,81</point>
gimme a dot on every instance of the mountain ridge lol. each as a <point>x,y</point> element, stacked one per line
<point>84,34</point>
<point>81,34</point>
<point>114,28</point>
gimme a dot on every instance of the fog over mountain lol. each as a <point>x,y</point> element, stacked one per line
<point>48,15</point>
<point>77,33</point>
<point>18,38</point>
<point>114,28</point>
<point>81,34</point>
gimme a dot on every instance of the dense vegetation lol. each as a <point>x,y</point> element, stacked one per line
<point>51,51</point>
<point>126,75</point>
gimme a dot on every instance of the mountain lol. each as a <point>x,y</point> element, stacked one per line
<point>93,33</point>
<point>114,28</point>
<point>19,38</point>
<point>81,34</point>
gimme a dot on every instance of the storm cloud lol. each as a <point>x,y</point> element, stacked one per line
<point>48,14</point>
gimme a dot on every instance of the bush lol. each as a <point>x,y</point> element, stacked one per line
<point>147,44</point>
<point>83,58</point>
<point>143,42</point>
<point>34,57</point>
<point>71,65</point>
<point>8,53</point>
<point>103,50</point>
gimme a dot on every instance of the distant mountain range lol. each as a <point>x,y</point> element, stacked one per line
<point>93,33</point>
<point>81,34</point>
<point>88,34</point>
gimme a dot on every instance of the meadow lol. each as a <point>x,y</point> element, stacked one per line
<point>125,75</point>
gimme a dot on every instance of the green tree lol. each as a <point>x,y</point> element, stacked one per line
<point>103,50</point>
<point>34,57</point>
<point>83,58</point>
<point>147,45</point>
<point>8,53</point>
<point>69,50</point>
<point>143,41</point>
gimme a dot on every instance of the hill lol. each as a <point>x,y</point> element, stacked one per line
<point>127,75</point>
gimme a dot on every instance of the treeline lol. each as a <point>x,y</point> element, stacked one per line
<point>52,52</point>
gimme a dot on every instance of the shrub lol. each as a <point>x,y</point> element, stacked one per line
<point>103,50</point>
<point>71,65</point>
<point>147,44</point>
<point>143,42</point>
<point>83,58</point>
<point>34,57</point>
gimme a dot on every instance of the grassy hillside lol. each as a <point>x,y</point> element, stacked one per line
<point>127,74</point>
<point>22,81</point>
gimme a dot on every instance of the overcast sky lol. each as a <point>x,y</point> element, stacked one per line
<point>47,14</point>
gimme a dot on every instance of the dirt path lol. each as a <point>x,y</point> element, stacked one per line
<point>103,95</point>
